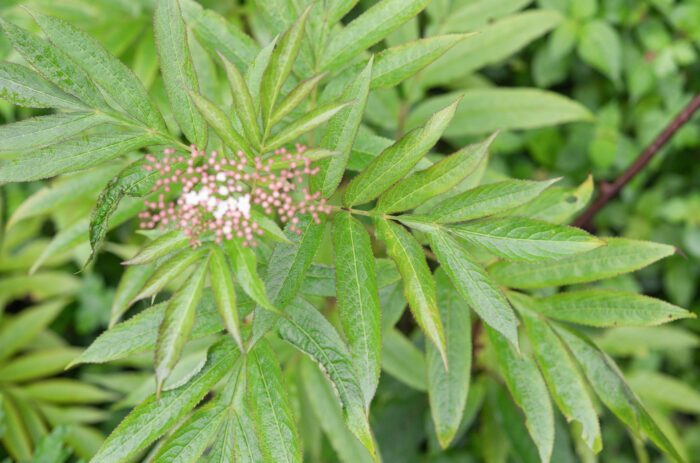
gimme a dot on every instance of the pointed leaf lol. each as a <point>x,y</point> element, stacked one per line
<point>398,159</point>
<point>40,131</point>
<point>133,279</point>
<point>153,417</point>
<point>72,155</point>
<point>173,267</point>
<point>245,268</point>
<point>419,287</point>
<point>440,177</point>
<point>177,70</point>
<point>224,293</point>
<point>448,391</point>
<point>404,361</point>
<point>358,299</point>
<point>254,73</point>
<point>22,86</point>
<point>474,285</point>
<point>243,103</point>
<point>272,415</point>
<point>525,240</point>
<point>294,98</point>
<point>367,29</point>
<point>305,123</point>
<point>112,75</point>
<point>488,200</point>
<point>599,307</point>
<point>161,246</point>
<point>619,255</point>
<point>21,329</point>
<point>246,447</point>
<point>557,204</point>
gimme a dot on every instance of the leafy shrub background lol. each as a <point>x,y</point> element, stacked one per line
<point>632,64</point>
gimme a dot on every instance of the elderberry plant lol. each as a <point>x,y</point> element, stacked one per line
<point>275,213</point>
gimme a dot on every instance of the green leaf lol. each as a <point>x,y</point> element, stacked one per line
<point>341,132</point>
<point>178,323</point>
<point>24,87</point>
<point>620,255</point>
<point>487,200</point>
<point>40,131</point>
<point>398,159</point>
<point>221,124</point>
<point>601,308</point>
<point>246,447</point>
<point>15,439</point>
<point>294,98</point>
<point>161,246</point>
<point>358,299</point>
<point>281,63</point>
<point>177,70</point>
<point>402,360</point>
<point>116,79</point>
<point>72,155</point>
<point>254,74</point>
<point>65,390</point>
<point>529,391</point>
<point>419,286</point>
<point>557,204</point>
<point>327,411</point>
<point>562,376</point>
<point>285,272</point>
<point>475,286</point>
<point>54,65</point>
<point>305,123</point>
<point>50,449</point>
<point>173,267</point>
<point>440,177</point>
<point>448,391</point>
<point>243,103</point>
<point>600,46</point>
<point>154,416</point>
<point>245,268</point>
<point>224,293</point>
<point>394,65</point>
<point>308,330</point>
<point>525,240</point>
<point>222,450</point>
<point>133,279</point>
<point>665,390</point>
<point>612,389</point>
<point>485,110</point>
<point>21,329</point>
<point>38,364</point>
<point>272,415</point>
<point>493,44</point>
<point>477,13</point>
<point>138,334</point>
<point>367,29</point>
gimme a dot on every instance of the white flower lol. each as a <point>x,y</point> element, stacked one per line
<point>221,177</point>
<point>223,191</point>
<point>244,205</point>
<point>221,210</point>
<point>192,198</point>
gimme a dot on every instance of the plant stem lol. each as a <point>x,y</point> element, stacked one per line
<point>609,191</point>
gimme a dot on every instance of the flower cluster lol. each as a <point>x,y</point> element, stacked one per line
<point>200,193</point>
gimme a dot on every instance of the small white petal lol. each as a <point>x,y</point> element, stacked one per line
<point>221,177</point>
<point>223,191</point>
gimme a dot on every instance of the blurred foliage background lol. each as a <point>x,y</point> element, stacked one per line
<point>633,63</point>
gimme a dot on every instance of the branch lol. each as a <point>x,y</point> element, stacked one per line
<point>608,191</point>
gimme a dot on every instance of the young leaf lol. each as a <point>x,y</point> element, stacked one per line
<point>246,447</point>
<point>243,103</point>
<point>133,279</point>
<point>177,70</point>
<point>15,439</point>
<point>254,74</point>
<point>173,267</point>
<point>440,177</point>
<point>398,159</point>
<point>619,255</point>
<point>294,98</point>
<point>557,204</point>
<point>367,29</point>
<point>341,132</point>
<point>529,391</point>
<point>38,364</point>
<point>177,324</point>
<point>448,391</point>
<point>309,331</point>
<point>281,63</point>
<point>474,285</point>
<point>404,361</point>
<point>245,268</point>
<point>419,286</point>
<point>154,416</point>
<point>112,75</point>
<point>72,155</point>
<point>305,123</point>
<point>563,378</point>
<point>161,246</point>
<point>601,308</point>
<point>272,415</point>
<point>601,47</point>
<point>20,330</point>
<point>525,240</point>
<point>65,391</point>
<point>221,124</point>
<point>358,299</point>
<point>487,200</point>
<point>22,86</point>
<point>36,132</point>
<point>55,66</point>
<point>224,293</point>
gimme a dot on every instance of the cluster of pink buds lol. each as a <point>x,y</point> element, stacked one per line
<point>200,193</point>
